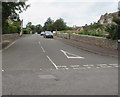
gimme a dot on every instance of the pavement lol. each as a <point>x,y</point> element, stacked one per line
<point>37,66</point>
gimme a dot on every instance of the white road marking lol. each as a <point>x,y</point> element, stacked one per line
<point>74,66</point>
<point>40,69</point>
<point>9,45</point>
<point>114,64</point>
<point>62,66</point>
<point>86,65</point>
<point>66,68</point>
<point>75,56</point>
<point>102,64</point>
<point>91,65</point>
<point>52,62</point>
<point>2,70</point>
<point>109,66</point>
<point>41,47</point>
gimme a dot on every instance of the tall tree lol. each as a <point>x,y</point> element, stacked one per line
<point>48,24</point>
<point>11,9</point>
<point>38,28</point>
<point>59,25</point>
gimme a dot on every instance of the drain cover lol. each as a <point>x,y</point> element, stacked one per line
<point>47,77</point>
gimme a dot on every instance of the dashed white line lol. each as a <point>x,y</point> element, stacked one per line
<point>74,66</point>
<point>2,70</point>
<point>52,62</point>
<point>114,64</point>
<point>66,68</point>
<point>85,65</point>
<point>88,67</point>
<point>41,47</point>
<point>62,66</point>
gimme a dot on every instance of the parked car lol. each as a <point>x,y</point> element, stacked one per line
<point>42,33</point>
<point>48,34</point>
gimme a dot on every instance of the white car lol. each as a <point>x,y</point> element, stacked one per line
<point>42,33</point>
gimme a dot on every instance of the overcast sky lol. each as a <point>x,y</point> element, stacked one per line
<point>74,12</point>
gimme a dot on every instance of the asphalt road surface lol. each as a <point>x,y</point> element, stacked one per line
<point>34,65</point>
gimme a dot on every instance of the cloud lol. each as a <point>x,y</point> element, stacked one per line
<point>74,13</point>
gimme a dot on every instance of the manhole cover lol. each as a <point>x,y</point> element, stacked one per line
<point>47,77</point>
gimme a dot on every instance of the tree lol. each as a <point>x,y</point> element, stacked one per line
<point>10,9</point>
<point>39,28</point>
<point>28,24</point>
<point>31,27</point>
<point>59,25</point>
<point>48,25</point>
<point>114,29</point>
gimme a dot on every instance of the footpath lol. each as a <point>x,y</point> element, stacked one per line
<point>90,48</point>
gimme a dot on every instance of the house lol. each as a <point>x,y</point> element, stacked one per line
<point>107,18</point>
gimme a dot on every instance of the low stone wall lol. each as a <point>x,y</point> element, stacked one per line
<point>99,41</point>
<point>8,38</point>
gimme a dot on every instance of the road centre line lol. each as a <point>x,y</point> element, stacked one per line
<point>52,62</point>
<point>41,47</point>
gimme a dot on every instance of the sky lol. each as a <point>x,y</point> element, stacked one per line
<point>74,12</point>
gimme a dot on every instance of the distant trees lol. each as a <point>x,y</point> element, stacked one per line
<point>49,25</point>
<point>30,28</point>
<point>59,25</point>
<point>39,28</point>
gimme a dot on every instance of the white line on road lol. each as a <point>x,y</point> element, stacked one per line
<point>2,70</point>
<point>74,66</point>
<point>114,64</point>
<point>73,56</point>
<point>62,66</point>
<point>9,46</point>
<point>52,62</point>
<point>41,47</point>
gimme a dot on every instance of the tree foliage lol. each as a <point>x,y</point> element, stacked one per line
<point>39,28</point>
<point>114,29</point>
<point>48,25</point>
<point>59,25</point>
<point>11,9</point>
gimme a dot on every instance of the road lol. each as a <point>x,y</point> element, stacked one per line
<point>34,65</point>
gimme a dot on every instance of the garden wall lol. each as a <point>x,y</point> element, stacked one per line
<point>99,41</point>
<point>8,38</point>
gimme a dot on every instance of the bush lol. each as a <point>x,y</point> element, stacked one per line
<point>12,29</point>
<point>92,33</point>
<point>112,30</point>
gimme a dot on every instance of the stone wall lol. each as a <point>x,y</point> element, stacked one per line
<point>99,41</point>
<point>8,38</point>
